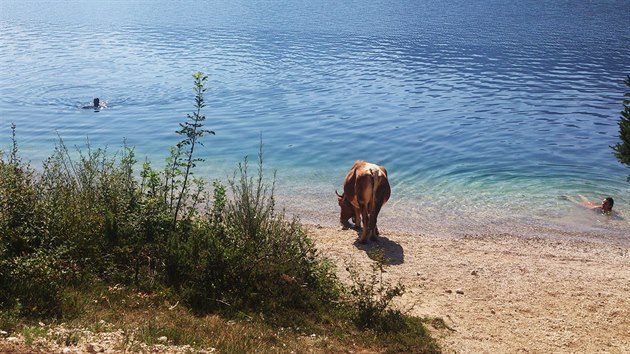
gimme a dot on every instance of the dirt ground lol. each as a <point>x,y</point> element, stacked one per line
<point>504,294</point>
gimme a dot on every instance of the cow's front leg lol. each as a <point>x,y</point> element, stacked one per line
<point>345,225</point>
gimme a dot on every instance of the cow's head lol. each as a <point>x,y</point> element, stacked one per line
<point>347,210</point>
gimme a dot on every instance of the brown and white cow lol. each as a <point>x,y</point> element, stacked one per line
<point>365,190</point>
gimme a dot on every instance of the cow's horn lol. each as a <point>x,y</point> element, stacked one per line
<point>340,196</point>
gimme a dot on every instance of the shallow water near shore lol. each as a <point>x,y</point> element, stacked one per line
<point>485,114</point>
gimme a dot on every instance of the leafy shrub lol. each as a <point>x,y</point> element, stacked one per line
<point>33,268</point>
<point>622,148</point>
<point>20,217</point>
<point>37,280</point>
<point>10,318</point>
<point>372,297</point>
<point>248,256</point>
<point>371,309</point>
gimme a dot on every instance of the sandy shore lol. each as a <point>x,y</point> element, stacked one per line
<point>504,294</point>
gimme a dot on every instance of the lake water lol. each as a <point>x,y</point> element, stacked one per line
<point>484,112</point>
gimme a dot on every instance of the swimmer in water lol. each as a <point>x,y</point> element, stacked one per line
<point>98,104</point>
<point>604,208</point>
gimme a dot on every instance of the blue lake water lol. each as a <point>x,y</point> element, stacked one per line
<point>484,112</point>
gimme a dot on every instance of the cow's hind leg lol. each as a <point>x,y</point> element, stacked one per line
<point>374,234</point>
<point>373,221</point>
<point>357,219</point>
<point>366,226</point>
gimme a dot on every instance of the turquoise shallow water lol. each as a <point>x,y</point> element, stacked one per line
<point>484,113</point>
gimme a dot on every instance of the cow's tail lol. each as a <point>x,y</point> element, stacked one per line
<point>375,183</point>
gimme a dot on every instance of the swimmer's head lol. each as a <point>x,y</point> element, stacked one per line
<point>96,102</point>
<point>607,204</point>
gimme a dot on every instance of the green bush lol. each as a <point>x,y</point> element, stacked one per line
<point>36,280</point>
<point>372,297</point>
<point>75,220</point>
<point>21,222</point>
<point>622,149</point>
<point>33,267</point>
<point>247,256</point>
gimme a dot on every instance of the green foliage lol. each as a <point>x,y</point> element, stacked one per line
<point>33,267</point>
<point>373,296</point>
<point>10,318</point>
<point>219,202</point>
<point>150,333</point>
<point>32,333</point>
<point>193,130</point>
<point>37,279</point>
<point>20,211</point>
<point>412,337</point>
<point>247,256</point>
<point>622,149</point>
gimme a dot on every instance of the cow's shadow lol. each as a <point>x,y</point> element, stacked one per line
<point>393,252</point>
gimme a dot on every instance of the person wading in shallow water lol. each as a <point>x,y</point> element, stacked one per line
<point>605,207</point>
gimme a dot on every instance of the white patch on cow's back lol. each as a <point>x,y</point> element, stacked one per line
<point>370,166</point>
